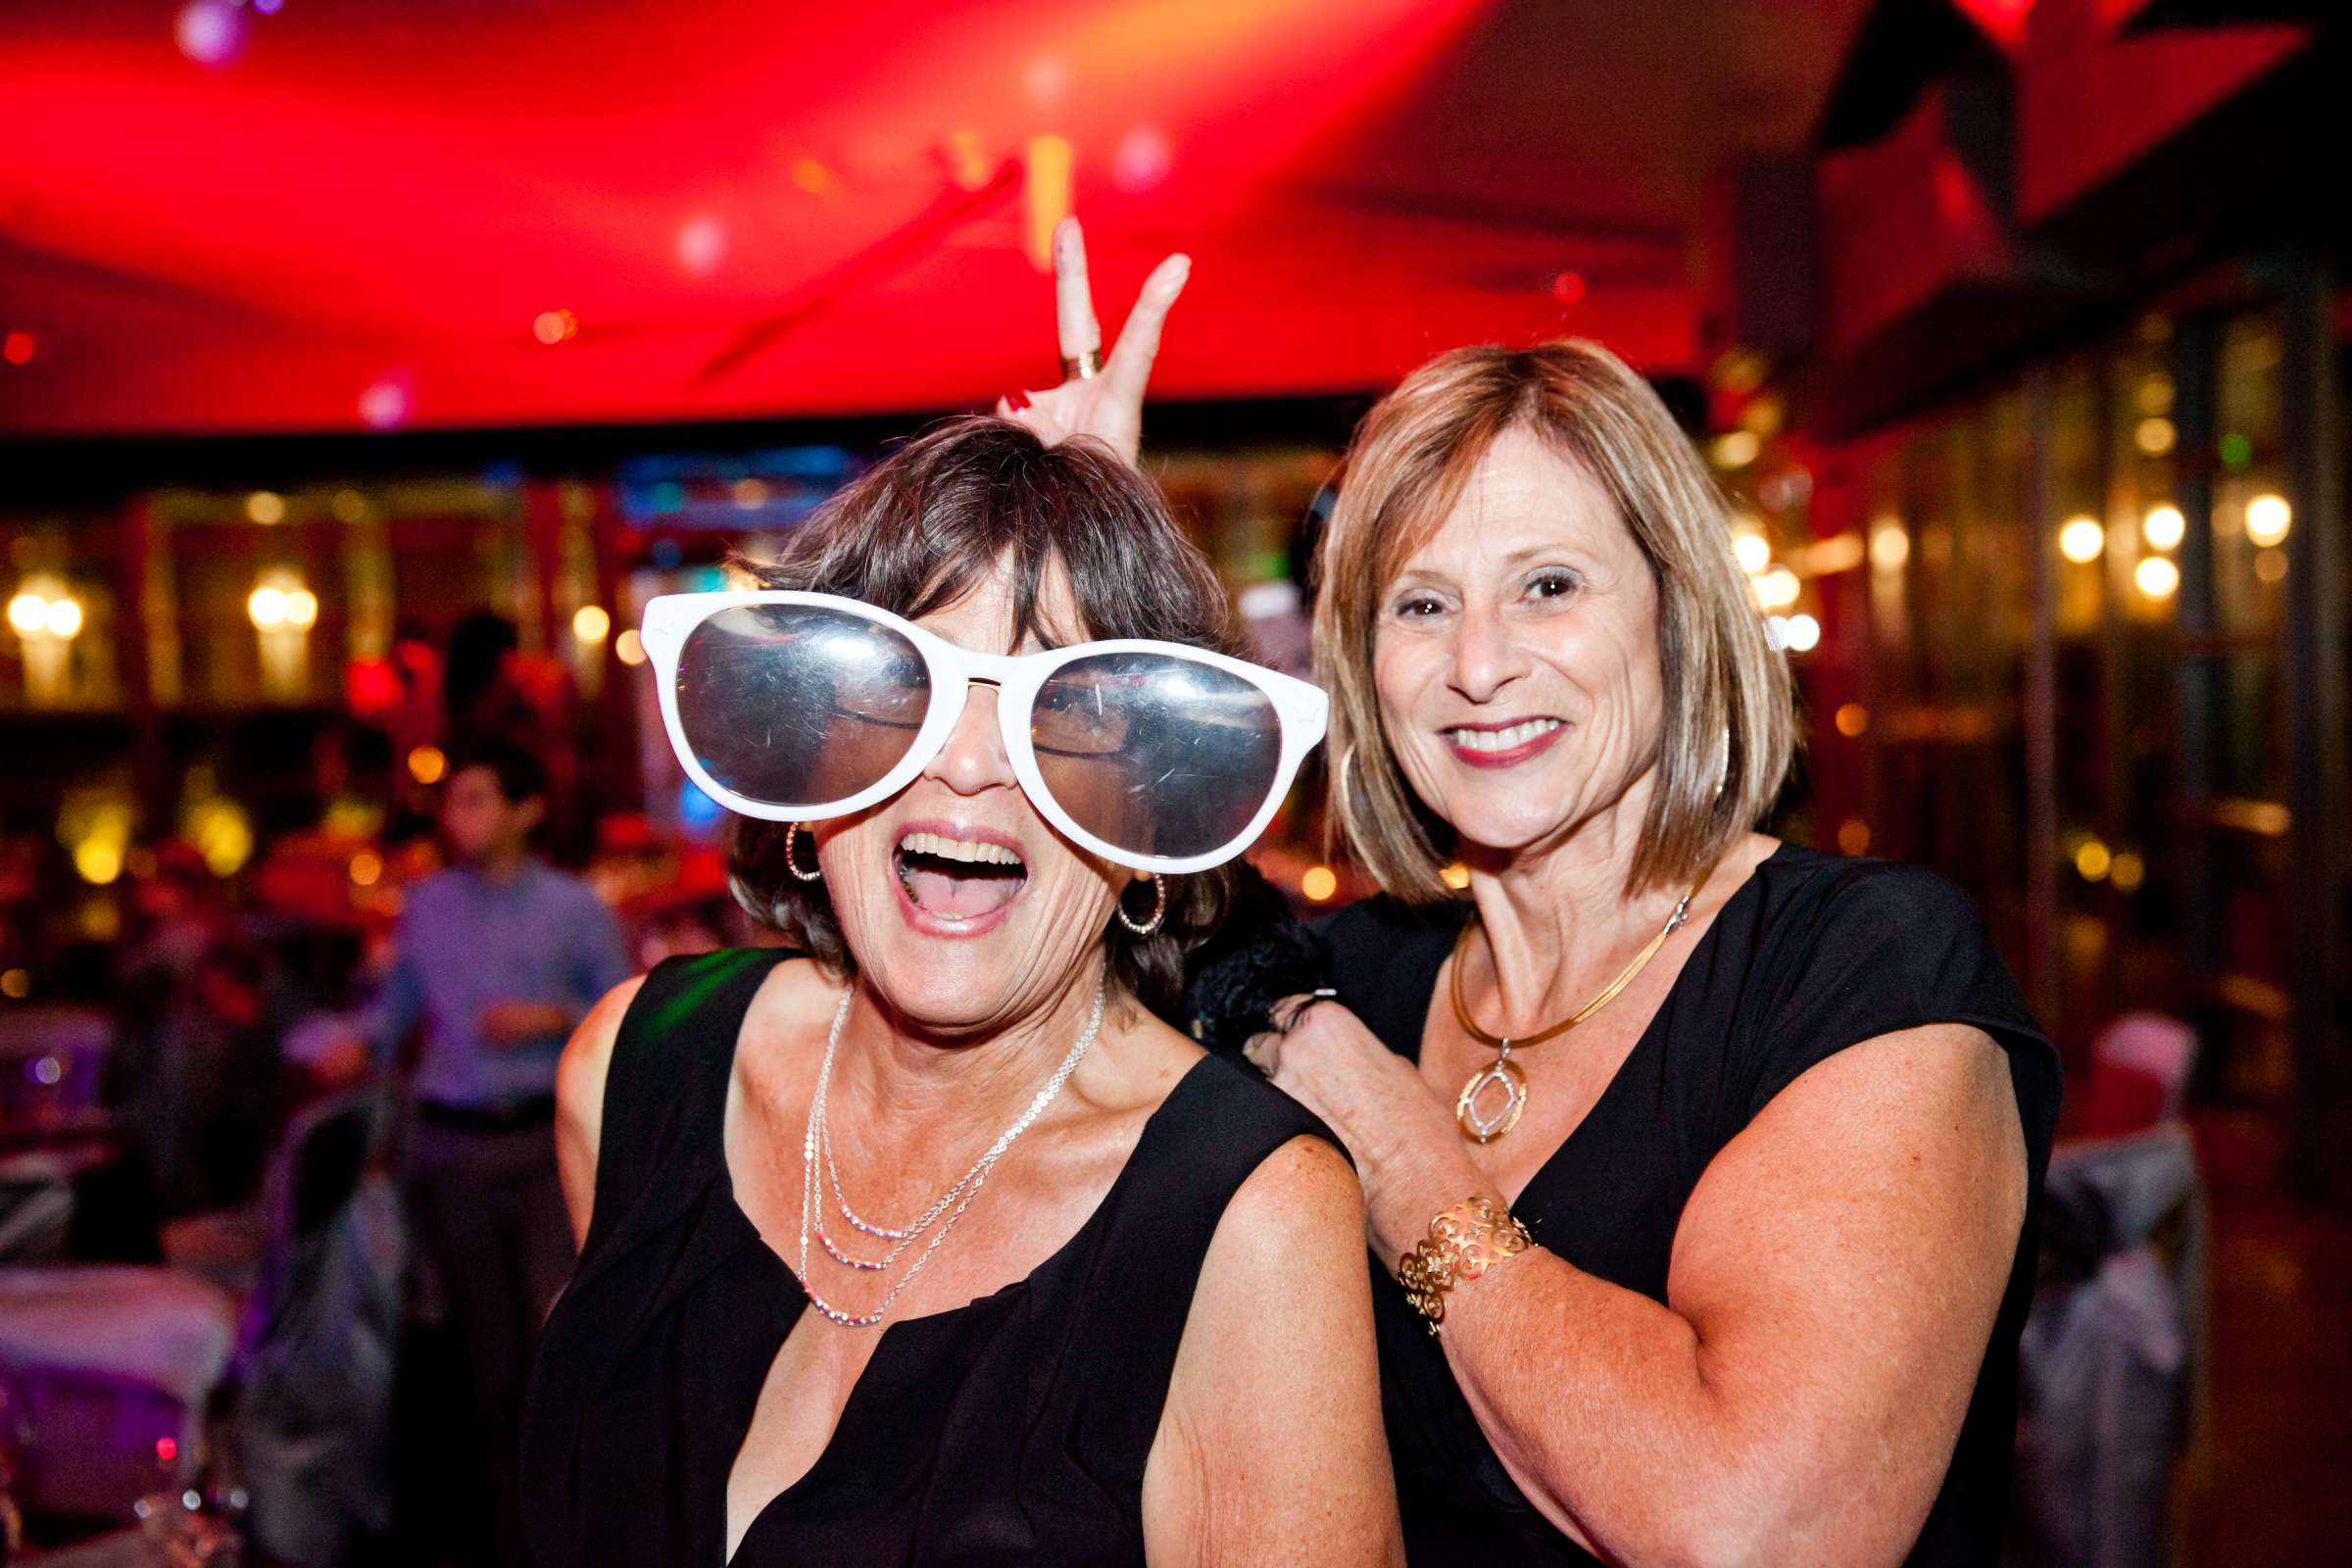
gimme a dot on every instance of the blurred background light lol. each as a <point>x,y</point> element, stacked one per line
<point>1735,449</point>
<point>701,246</point>
<point>2267,518</point>
<point>209,32</point>
<point>1142,160</point>
<point>1889,546</point>
<point>383,404</point>
<point>2081,540</point>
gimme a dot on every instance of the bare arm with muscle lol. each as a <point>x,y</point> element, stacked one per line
<point>1833,1284</point>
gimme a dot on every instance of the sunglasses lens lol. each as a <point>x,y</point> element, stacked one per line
<point>797,705</point>
<point>1158,756</point>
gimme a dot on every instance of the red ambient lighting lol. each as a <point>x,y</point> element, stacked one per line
<point>853,246</point>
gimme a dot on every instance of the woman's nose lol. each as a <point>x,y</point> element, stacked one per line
<point>974,759</point>
<point>1486,657</point>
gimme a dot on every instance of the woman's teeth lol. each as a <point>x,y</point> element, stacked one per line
<point>970,851</point>
<point>1502,740</point>
<point>958,880</point>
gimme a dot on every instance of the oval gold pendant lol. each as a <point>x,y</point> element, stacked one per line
<point>1476,1125</point>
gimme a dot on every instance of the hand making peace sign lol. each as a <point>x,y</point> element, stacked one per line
<point>1107,403</point>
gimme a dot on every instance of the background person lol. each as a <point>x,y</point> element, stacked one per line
<point>496,959</point>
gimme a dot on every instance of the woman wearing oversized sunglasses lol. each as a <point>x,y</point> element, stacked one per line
<point>921,1239</point>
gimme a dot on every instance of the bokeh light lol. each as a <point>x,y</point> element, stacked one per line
<point>2093,861</point>
<point>701,246</point>
<point>383,404</point>
<point>209,32</point>
<point>2081,540</point>
<point>1319,883</point>
<point>1142,160</point>
<point>2157,577</point>
<point>1889,547</point>
<point>591,622</point>
<point>2267,518</point>
<point>2164,527</point>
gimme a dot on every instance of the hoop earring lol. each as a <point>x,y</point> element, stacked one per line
<point>1159,909</point>
<point>792,864</point>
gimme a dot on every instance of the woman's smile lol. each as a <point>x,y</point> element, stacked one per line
<point>1506,744</point>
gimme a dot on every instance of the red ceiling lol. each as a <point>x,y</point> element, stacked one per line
<point>755,208</point>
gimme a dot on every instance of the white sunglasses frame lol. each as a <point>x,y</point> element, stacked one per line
<point>670,618</point>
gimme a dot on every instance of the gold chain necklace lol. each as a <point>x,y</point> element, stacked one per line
<point>1476,1125</point>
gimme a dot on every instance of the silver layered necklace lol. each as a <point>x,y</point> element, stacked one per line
<point>816,1149</point>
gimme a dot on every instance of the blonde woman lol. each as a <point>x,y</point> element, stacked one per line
<point>1704,1164</point>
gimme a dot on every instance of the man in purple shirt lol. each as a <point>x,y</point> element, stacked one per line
<point>496,959</point>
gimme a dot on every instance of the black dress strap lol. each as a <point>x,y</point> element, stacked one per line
<point>1127,1305</point>
<point>674,1047</point>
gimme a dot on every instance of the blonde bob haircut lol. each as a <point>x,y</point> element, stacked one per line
<point>1728,730</point>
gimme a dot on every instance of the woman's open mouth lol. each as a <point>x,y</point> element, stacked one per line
<point>957,882</point>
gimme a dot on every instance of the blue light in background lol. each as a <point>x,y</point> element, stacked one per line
<point>698,813</point>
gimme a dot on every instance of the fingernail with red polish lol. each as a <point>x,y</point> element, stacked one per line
<point>1016,400</point>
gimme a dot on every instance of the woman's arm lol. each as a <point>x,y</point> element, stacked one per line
<point>1833,1284</point>
<point>580,1101</point>
<point>1270,1449</point>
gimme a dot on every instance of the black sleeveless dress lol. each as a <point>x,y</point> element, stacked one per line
<point>1814,954</point>
<point>1011,1430</point>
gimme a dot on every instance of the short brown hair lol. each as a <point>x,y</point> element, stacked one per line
<point>922,528</point>
<point>1724,682</point>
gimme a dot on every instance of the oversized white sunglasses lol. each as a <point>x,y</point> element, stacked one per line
<point>798,707</point>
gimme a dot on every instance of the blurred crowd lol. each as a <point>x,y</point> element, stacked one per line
<point>287,1131</point>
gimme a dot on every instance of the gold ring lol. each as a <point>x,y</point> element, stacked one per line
<point>1082,367</point>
